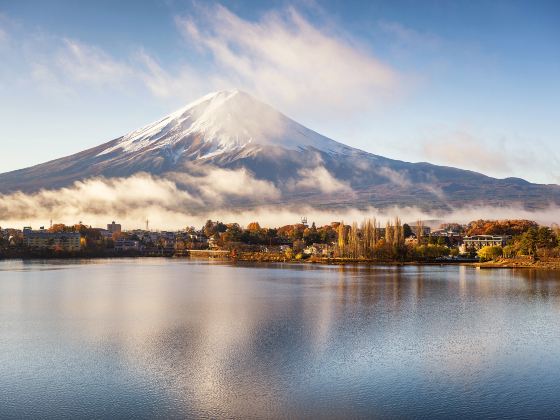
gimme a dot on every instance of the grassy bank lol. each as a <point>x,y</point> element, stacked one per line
<point>541,263</point>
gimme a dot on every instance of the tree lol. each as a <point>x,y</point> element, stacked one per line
<point>354,242</point>
<point>500,227</point>
<point>389,235</point>
<point>489,253</point>
<point>509,251</point>
<point>546,238</point>
<point>419,230</point>
<point>58,228</point>
<point>407,230</point>
<point>430,251</point>
<point>254,227</point>
<point>311,235</point>
<point>369,238</point>
<point>528,242</point>
<point>341,239</point>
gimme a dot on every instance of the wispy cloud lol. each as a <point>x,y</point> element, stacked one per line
<point>215,185</point>
<point>285,56</point>
<point>460,148</point>
<point>184,82</point>
<point>399,178</point>
<point>282,57</point>
<point>319,179</point>
<point>87,63</point>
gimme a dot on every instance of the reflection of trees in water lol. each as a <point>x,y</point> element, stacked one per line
<point>541,283</point>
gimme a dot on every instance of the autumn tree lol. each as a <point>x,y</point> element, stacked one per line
<point>58,228</point>
<point>489,253</point>
<point>511,227</point>
<point>419,230</point>
<point>341,239</point>
<point>389,234</point>
<point>369,232</point>
<point>353,242</point>
<point>254,227</point>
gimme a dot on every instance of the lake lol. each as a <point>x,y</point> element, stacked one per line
<point>157,338</point>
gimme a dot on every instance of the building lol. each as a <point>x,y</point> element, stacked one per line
<point>114,227</point>
<point>59,241</point>
<point>127,245</point>
<point>317,250</point>
<point>451,238</point>
<point>426,230</point>
<point>105,234</point>
<point>474,243</point>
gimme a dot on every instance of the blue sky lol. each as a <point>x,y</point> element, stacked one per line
<point>468,84</point>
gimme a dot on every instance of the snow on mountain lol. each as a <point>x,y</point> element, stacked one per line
<point>223,122</point>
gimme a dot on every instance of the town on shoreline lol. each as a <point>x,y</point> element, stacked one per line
<point>491,243</point>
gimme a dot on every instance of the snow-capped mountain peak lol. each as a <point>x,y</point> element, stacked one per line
<point>222,122</point>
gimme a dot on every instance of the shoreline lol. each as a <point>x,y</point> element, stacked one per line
<point>550,264</point>
<point>540,264</point>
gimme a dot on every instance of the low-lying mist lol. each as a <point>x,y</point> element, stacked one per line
<point>191,200</point>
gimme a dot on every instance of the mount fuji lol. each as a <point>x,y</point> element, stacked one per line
<point>231,131</point>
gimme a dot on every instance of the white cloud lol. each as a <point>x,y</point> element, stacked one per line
<point>318,179</point>
<point>399,178</point>
<point>184,83</point>
<point>286,57</point>
<point>216,184</point>
<point>299,66</point>
<point>462,149</point>
<point>87,63</point>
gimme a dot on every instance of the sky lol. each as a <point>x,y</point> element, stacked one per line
<point>470,84</point>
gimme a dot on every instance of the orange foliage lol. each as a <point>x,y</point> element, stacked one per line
<point>57,228</point>
<point>500,227</point>
<point>254,227</point>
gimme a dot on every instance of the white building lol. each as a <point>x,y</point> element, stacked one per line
<point>476,242</point>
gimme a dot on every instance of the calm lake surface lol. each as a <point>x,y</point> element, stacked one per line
<point>162,338</point>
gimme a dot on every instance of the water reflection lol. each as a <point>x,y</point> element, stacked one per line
<point>140,338</point>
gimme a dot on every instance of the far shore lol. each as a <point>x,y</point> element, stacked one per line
<point>511,263</point>
<point>542,263</point>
